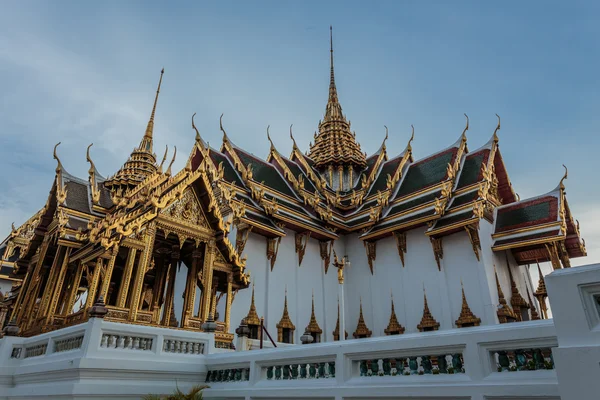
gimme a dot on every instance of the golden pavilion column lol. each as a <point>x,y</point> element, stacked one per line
<point>190,288</point>
<point>59,285</point>
<point>93,288</point>
<point>141,270</point>
<point>74,289</point>
<point>108,274</point>
<point>159,288</point>
<point>168,304</point>
<point>227,318</point>
<point>126,279</point>
<point>51,281</point>
<point>33,282</point>
<point>207,276</point>
<point>213,304</point>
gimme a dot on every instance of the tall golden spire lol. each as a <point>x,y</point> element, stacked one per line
<point>516,300</point>
<point>534,313</point>
<point>361,328</point>
<point>335,144</point>
<point>146,143</point>
<point>466,317</point>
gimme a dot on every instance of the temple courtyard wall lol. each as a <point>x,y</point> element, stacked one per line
<point>544,359</point>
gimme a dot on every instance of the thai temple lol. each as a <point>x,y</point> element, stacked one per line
<point>298,246</point>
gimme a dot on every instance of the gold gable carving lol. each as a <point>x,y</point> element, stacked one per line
<point>187,210</point>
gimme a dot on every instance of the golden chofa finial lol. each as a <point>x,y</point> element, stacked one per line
<point>59,166</point>
<point>464,134</point>
<point>292,137</point>
<point>412,137</point>
<point>497,129</point>
<point>89,159</point>
<point>198,138</point>
<point>269,138</point>
<point>225,137</point>
<point>565,176</point>
<point>92,177</point>
<point>385,138</point>
<point>168,172</point>
<point>160,167</point>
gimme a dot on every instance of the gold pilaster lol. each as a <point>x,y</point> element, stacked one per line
<point>207,275</point>
<point>59,284</point>
<point>141,270</point>
<point>108,274</point>
<point>190,288</point>
<point>74,289</point>
<point>125,281</point>
<point>172,274</point>
<point>229,301</point>
<point>33,288</point>
<point>93,288</point>
<point>51,282</point>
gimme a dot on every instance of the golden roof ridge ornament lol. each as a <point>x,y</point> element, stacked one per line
<point>92,176</point>
<point>269,138</point>
<point>61,190</point>
<point>146,144</point>
<point>464,134</point>
<point>160,167</point>
<point>168,172</point>
<point>361,328</point>
<point>225,137</point>
<point>561,184</point>
<point>295,147</point>
<point>495,136</point>
<point>466,317</point>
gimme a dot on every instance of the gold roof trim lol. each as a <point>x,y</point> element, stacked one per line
<point>466,316</point>
<point>361,327</point>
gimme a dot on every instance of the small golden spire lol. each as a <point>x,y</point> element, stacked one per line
<point>428,323</point>
<point>285,322</point>
<point>146,143</point>
<point>361,328</point>
<point>168,172</point>
<point>252,317</point>
<point>336,331</point>
<point>313,325</point>
<point>541,290</point>
<point>332,89</point>
<point>496,130</point>
<point>466,317</point>
<point>505,313</point>
<point>516,300</point>
<point>534,313</point>
<point>394,327</point>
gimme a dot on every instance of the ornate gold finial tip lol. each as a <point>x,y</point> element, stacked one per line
<point>162,71</point>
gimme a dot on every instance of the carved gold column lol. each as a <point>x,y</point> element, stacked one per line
<point>126,279</point>
<point>34,281</point>
<point>190,289</point>
<point>59,284</point>
<point>74,289</point>
<point>141,270</point>
<point>213,304</point>
<point>24,285</point>
<point>228,304</point>
<point>171,286</point>
<point>207,276</point>
<point>93,288</point>
<point>108,274</point>
<point>51,281</point>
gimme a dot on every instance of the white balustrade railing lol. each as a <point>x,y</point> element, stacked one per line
<point>463,362</point>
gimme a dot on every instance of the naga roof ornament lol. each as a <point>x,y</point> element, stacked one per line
<point>335,143</point>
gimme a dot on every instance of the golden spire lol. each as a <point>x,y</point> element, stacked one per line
<point>336,331</point>
<point>516,300</point>
<point>534,313</point>
<point>313,325</point>
<point>285,322</point>
<point>146,144</point>
<point>428,323</point>
<point>505,314</point>
<point>466,317</point>
<point>361,328</point>
<point>335,144</point>
<point>541,290</point>
<point>252,317</point>
<point>394,327</point>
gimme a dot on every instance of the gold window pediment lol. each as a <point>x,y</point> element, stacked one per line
<point>187,211</point>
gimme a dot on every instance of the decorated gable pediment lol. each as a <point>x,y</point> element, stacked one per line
<point>187,210</point>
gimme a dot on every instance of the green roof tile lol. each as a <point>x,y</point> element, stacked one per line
<point>264,172</point>
<point>426,173</point>
<point>471,169</point>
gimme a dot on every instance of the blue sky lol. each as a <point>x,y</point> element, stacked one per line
<point>82,72</point>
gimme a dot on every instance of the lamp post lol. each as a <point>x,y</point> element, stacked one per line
<point>340,265</point>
